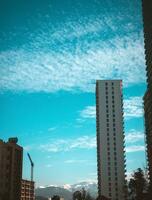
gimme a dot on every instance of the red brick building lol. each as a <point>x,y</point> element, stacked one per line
<point>11,155</point>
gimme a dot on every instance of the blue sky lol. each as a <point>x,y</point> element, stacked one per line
<point>51,53</point>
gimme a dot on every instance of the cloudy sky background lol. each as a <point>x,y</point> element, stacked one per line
<point>51,53</point>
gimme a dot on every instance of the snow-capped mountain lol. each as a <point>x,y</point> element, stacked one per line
<point>67,190</point>
<point>90,187</point>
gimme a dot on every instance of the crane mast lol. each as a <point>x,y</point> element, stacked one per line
<point>32,165</point>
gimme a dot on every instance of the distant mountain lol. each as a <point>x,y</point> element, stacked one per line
<point>41,198</point>
<point>90,187</point>
<point>67,190</point>
<point>51,191</point>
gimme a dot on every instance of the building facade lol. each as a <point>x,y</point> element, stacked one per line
<point>110,140</point>
<point>147,22</point>
<point>11,156</point>
<point>27,190</point>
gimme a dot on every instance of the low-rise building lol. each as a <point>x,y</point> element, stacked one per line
<point>27,190</point>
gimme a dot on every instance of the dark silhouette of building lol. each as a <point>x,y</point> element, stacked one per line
<point>27,190</point>
<point>147,22</point>
<point>11,155</point>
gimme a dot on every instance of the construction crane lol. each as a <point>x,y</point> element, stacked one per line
<point>32,166</point>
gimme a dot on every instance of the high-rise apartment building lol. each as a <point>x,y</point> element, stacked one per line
<point>147,22</point>
<point>110,139</point>
<point>27,191</point>
<point>11,156</point>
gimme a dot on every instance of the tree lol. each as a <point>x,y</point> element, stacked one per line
<point>82,195</point>
<point>137,185</point>
<point>41,198</point>
<point>55,197</point>
<point>88,196</point>
<point>77,195</point>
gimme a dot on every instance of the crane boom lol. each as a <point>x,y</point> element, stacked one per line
<point>32,165</point>
<point>30,159</point>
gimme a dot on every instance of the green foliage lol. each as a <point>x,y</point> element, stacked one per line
<point>137,185</point>
<point>55,197</point>
<point>82,195</point>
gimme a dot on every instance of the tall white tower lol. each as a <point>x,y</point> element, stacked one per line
<point>110,139</point>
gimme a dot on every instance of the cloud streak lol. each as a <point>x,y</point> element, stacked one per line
<point>63,64</point>
<point>134,136</point>
<point>133,108</point>
<point>135,148</point>
<point>85,142</point>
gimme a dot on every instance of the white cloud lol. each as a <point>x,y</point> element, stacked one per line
<point>75,161</point>
<point>51,129</point>
<point>134,136</point>
<point>85,142</point>
<point>135,148</point>
<point>132,109</point>
<point>73,67</point>
<point>88,112</point>
<point>49,165</point>
<point>27,147</point>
